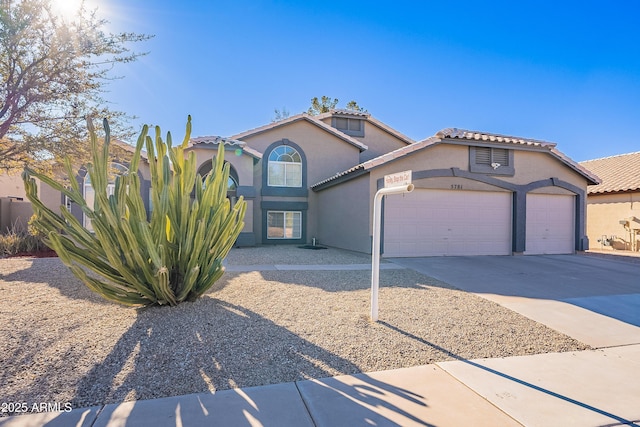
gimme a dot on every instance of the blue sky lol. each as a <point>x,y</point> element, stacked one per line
<point>562,71</point>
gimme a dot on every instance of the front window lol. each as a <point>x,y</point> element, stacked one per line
<point>284,225</point>
<point>285,167</point>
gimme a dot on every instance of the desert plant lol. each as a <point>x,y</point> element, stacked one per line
<point>175,255</point>
<point>16,241</point>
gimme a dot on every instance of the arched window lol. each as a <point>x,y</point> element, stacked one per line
<point>232,182</point>
<point>89,192</point>
<point>285,167</point>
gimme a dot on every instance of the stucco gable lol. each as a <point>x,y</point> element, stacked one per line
<point>459,136</point>
<point>297,118</point>
<point>370,119</point>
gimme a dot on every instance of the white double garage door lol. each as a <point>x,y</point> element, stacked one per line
<point>456,222</point>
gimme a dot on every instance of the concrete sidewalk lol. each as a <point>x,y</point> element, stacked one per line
<point>589,388</point>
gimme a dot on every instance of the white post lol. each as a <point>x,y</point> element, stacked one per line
<point>375,251</point>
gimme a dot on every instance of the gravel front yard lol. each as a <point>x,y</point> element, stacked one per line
<point>61,343</point>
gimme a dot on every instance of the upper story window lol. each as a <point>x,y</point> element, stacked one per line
<point>497,161</point>
<point>348,125</point>
<point>285,167</point>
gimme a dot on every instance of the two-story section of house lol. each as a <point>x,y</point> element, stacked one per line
<point>273,167</point>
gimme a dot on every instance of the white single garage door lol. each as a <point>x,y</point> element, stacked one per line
<point>550,224</point>
<point>447,222</point>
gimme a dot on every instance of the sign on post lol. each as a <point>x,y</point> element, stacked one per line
<point>399,179</point>
<point>396,183</point>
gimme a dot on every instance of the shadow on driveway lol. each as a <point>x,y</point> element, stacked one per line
<point>605,286</point>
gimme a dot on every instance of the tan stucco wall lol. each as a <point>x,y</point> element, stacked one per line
<point>19,211</point>
<point>604,211</point>
<point>325,153</point>
<point>12,186</point>
<point>342,209</point>
<point>531,166</point>
<point>243,164</point>
<point>379,142</point>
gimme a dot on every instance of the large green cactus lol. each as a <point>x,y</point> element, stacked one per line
<point>176,255</point>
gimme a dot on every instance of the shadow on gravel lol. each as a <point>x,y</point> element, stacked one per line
<point>171,351</point>
<point>51,272</point>
<point>353,280</point>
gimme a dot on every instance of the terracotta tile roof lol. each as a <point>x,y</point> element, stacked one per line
<point>310,119</point>
<point>216,140</point>
<point>345,112</point>
<point>454,133</point>
<point>377,161</point>
<point>618,173</point>
<point>493,138</point>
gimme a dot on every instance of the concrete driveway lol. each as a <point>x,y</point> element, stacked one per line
<point>591,299</point>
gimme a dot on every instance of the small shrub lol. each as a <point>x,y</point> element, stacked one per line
<point>174,256</point>
<point>17,241</point>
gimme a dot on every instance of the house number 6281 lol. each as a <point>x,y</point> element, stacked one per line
<point>456,186</point>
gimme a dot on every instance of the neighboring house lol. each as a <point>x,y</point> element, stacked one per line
<point>15,209</point>
<point>315,177</point>
<point>613,207</point>
<point>476,193</point>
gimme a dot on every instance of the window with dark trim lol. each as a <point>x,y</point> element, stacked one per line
<point>284,225</point>
<point>285,167</point>
<point>350,126</point>
<point>491,160</point>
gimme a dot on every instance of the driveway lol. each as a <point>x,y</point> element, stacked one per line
<point>594,300</point>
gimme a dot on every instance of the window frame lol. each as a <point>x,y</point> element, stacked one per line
<point>284,213</point>
<point>504,169</point>
<point>286,166</point>
<point>267,190</point>
<point>348,129</point>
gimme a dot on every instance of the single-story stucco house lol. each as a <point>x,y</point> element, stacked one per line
<point>476,193</point>
<point>613,206</point>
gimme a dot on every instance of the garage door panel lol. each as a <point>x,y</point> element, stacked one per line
<point>443,222</point>
<point>550,226</point>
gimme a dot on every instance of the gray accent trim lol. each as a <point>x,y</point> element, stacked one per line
<point>284,206</point>
<point>246,239</point>
<point>519,207</point>
<point>284,191</point>
<point>488,169</point>
<point>145,190</point>
<point>247,191</point>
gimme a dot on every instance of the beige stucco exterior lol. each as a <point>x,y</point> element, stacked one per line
<point>604,213</point>
<point>349,169</point>
<point>446,166</point>
<point>15,210</point>
<point>342,209</point>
